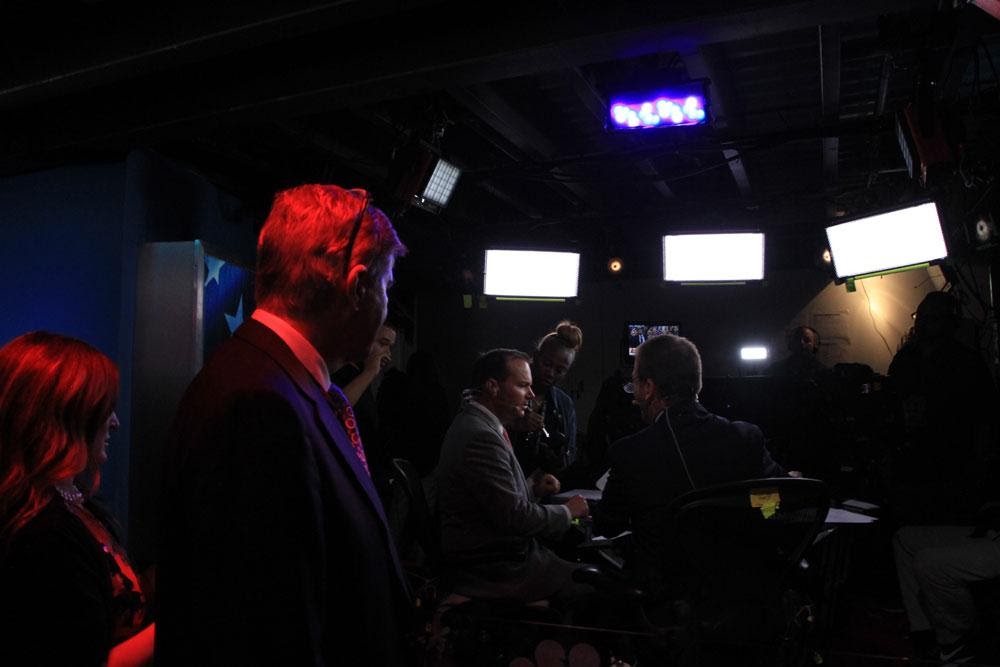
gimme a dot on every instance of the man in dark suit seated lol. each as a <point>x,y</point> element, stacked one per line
<point>684,447</point>
<point>274,545</point>
<point>491,520</point>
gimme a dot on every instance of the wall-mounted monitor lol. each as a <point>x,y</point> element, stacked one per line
<point>882,242</point>
<point>637,333</point>
<point>531,274</point>
<point>713,258</point>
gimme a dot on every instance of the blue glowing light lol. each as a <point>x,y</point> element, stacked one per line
<point>663,109</point>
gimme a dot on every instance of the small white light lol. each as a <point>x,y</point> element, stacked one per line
<point>753,353</point>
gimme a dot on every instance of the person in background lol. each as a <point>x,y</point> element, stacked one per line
<point>356,382</point>
<point>68,594</point>
<point>274,545</point>
<point>803,414</point>
<point>416,397</point>
<point>946,421</point>
<point>490,517</point>
<point>684,447</point>
<point>545,436</point>
<point>801,363</point>
<point>937,567</point>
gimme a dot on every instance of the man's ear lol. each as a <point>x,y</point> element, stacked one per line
<point>492,387</point>
<point>357,284</point>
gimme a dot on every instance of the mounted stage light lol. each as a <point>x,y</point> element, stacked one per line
<point>441,183</point>
<point>713,258</point>
<point>531,274</point>
<point>419,176</point>
<point>615,265</point>
<point>667,107</point>
<point>887,242</point>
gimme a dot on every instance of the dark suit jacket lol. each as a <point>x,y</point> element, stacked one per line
<point>274,545</point>
<point>647,473</point>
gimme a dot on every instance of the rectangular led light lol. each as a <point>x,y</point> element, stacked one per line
<point>531,273</point>
<point>667,107</point>
<point>753,353</point>
<point>885,241</point>
<point>441,183</point>
<point>716,258</point>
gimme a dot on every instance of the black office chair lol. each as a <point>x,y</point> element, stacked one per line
<point>417,539</point>
<point>746,542</point>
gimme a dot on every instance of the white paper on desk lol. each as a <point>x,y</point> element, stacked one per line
<point>600,538</point>
<point>603,480</point>
<point>837,515</point>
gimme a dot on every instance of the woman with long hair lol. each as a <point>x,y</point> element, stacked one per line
<point>68,594</point>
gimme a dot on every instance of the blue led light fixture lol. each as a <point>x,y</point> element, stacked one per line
<point>676,106</point>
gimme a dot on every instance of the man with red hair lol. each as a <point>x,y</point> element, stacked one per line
<point>274,544</point>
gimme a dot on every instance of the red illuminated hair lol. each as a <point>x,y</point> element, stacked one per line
<point>55,393</point>
<point>302,250</point>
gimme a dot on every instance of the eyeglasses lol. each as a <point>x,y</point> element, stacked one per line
<point>349,251</point>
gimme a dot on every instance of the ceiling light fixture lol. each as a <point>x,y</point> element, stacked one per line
<point>667,107</point>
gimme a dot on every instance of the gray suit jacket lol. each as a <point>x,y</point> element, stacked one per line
<point>489,517</point>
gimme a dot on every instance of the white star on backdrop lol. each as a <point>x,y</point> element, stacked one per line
<point>214,266</point>
<point>234,321</point>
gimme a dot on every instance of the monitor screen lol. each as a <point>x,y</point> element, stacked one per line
<point>886,241</point>
<point>696,258</point>
<point>638,333</point>
<point>531,273</point>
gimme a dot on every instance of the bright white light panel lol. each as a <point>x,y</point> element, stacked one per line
<point>887,241</point>
<point>713,257</point>
<point>753,353</point>
<point>531,273</point>
<point>441,183</point>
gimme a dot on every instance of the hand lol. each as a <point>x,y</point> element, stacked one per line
<point>546,485</point>
<point>529,422</point>
<point>377,360</point>
<point>795,473</point>
<point>578,507</point>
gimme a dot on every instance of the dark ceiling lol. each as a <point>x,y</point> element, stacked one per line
<point>261,95</point>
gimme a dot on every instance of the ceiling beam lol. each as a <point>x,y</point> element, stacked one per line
<point>704,63</point>
<point>502,118</point>
<point>337,67</point>
<point>595,103</point>
<point>829,87</point>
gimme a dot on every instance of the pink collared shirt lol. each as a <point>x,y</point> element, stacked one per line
<point>303,350</point>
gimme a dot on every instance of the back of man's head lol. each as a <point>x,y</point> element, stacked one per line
<point>312,238</point>
<point>493,365</point>
<point>937,317</point>
<point>672,363</point>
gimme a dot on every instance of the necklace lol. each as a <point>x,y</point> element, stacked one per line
<point>69,493</point>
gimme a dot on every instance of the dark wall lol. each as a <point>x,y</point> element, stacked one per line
<point>69,244</point>
<point>67,265</point>
<point>719,319</point>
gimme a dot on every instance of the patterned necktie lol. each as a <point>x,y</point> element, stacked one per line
<point>506,437</point>
<point>346,415</point>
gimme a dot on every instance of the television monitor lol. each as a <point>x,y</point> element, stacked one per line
<point>713,258</point>
<point>636,333</point>
<point>886,241</point>
<point>531,273</point>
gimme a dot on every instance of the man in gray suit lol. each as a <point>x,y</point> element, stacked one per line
<point>490,516</point>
